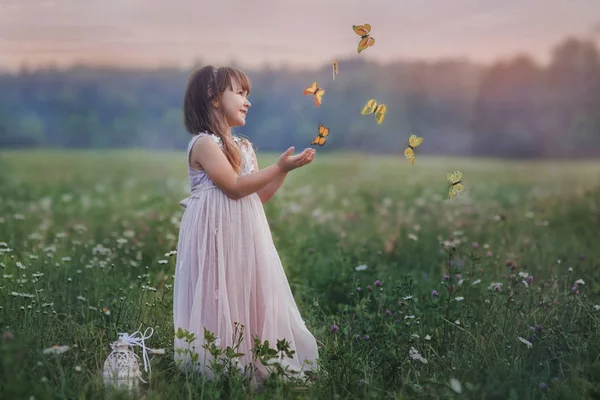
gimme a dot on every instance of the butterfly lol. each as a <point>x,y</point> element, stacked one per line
<point>365,39</point>
<point>321,137</point>
<point>456,187</point>
<point>317,92</point>
<point>335,67</point>
<point>413,141</point>
<point>372,107</point>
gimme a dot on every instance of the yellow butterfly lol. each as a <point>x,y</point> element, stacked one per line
<point>317,92</point>
<point>335,67</point>
<point>321,137</point>
<point>365,39</point>
<point>413,141</point>
<point>372,107</point>
<point>456,186</point>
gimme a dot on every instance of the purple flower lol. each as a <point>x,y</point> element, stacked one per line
<point>378,283</point>
<point>369,288</point>
<point>532,337</point>
<point>334,328</point>
<point>539,329</point>
<point>574,289</point>
<point>475,245</point>
<point>388,313</point>
<point>358,289</point>
<point>434,293</point>
<point>366,337</point>
<point>445,278</point>
<point>489,253</point>
<point>530,280</point>
<point>459,276</point>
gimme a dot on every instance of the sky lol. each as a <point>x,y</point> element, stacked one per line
<point>293,33</point>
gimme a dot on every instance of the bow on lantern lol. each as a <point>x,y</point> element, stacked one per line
<point>137,339</point>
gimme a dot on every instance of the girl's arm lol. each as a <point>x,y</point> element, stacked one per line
<point>268,191</point>
<point>212,159</point>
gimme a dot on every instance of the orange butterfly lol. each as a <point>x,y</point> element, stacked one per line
<point>365,39</point>
<point>335,67</point>
<point>321,137</point>
<point>316,91</point>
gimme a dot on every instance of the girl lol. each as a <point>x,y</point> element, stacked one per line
<point>228,273</point>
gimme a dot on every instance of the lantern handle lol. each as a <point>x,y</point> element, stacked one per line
<point>137,339</point>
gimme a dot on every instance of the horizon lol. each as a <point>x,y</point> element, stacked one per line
<point>131,34</point>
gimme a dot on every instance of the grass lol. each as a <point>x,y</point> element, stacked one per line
<point>84,238</point>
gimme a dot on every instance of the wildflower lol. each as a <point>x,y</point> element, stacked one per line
<point>489,253</point>
<point>597,307</point>
<point>412,236</point>
<point>459,276</point>
<point>388,313</point>
<point>334,328</point>
<point>407,297</point>
<point>414,354</point>
<point>475,282</point>
<point>434,293</point>
<point>378,283</point>
<point>360,268</point>
<point>56,349</point>
<point>475,245</point>
<point>539,329</point>
<point>163,261</point>
<point>459,298</point>
<point>526,342</point>
<point>358,288</point>
<point>369,288</point>
<point>445,278</point>
<point>456,385</point>
<point>366,337</point>
<point>7,336</point>
<point>579,282</point>
<point>529,280</point>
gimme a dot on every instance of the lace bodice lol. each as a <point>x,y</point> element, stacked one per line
<point>199,178</point>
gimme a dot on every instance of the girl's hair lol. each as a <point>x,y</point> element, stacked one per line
<point>200,115</point>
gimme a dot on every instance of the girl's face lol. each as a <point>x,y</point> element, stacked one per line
<point>235,104</point>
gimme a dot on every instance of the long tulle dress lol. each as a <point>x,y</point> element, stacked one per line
<point>227,272</point>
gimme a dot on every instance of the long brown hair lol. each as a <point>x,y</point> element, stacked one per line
<point>200,115</point>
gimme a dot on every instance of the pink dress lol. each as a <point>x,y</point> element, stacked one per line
<point>228,271</point>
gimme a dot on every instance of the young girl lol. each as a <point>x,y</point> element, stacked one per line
<point>228,273</point>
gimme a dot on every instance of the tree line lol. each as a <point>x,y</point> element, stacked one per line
<point>511,108</point>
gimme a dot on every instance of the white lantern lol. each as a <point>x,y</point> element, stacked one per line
<point>122,368</point>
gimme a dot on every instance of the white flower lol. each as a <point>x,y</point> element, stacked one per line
<point>476,282</point>
<point>413,236</point>
<point>459,298</point>
<point>414,354</point>
<point>427,337</point>
<point>56,349</point>
<point>526,342</point>
<point>579,282</point>
<point>597,307</point>
<point>456,385</point>
<point>408,297</point>
<point>360,268</point>
<point>409,317</point>
<point>163,261</point>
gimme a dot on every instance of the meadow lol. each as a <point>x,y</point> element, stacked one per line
<point>494,294</point>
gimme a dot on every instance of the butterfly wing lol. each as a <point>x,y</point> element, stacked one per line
<point>380,113</point>
<point>409,154</point>
<point>456,189</point>
<point>369,108</point>
<point>414,140</point>
<point>362,30</point>
<point>335,68</point>
<point>318,97</point>
<point>454,176</point>
<point>311,89</point>
<point>323,131</point>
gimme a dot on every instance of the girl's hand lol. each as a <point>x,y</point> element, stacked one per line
<point>287,162</point>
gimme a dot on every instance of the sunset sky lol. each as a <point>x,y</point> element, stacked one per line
<point>293,32</point>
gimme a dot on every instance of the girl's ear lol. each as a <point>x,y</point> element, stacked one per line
<point>213,100</point>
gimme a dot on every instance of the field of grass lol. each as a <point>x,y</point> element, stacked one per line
<point>491,295</point>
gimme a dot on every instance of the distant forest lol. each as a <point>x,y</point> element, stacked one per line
<point>514,108</point>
